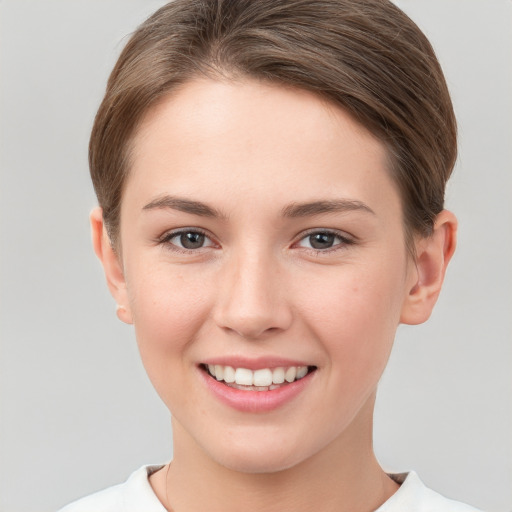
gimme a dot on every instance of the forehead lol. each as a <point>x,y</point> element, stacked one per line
<point>204,108</point>
<point>252,139</point>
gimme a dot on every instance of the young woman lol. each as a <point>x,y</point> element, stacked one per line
<point>271,177</point>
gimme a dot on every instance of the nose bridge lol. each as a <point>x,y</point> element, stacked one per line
<point>252,301</point>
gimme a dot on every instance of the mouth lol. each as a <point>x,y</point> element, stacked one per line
<point>263,379</point>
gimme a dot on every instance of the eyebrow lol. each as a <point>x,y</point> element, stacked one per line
<point>184,205</point>
<point>330,206</point>
<point>293,210</point>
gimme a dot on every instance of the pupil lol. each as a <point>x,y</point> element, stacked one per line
<point>321,240</point>
<point>192,240</point>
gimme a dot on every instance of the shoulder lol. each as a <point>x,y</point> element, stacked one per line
<point>414,496</point>
<point>131,496</point>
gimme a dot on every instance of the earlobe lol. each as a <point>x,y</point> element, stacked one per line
<point>432,257</point>
<point>111,265</point>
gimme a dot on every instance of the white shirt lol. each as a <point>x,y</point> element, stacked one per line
<point>137,495</point>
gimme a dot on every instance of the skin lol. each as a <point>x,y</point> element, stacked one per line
<point>250,151</point>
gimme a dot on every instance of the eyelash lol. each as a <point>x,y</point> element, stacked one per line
<point>167,237</point>
<point>343,239</point>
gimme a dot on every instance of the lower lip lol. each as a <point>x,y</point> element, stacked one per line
<point>255,401</point>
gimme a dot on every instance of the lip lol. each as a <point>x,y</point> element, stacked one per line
<point>257,363</point>
<point>255,401</point>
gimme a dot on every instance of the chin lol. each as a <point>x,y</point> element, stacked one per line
<point>259,458</point>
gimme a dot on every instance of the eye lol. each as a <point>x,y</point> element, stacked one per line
<point>323,240</point>
<point>189,239</point>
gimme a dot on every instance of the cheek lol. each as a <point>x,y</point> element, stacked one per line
<point>354,312</point>
<point>168,309</point>
<point>164,297</point>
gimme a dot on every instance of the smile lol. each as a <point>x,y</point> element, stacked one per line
<point>258,390</point>
<point>264,379</point>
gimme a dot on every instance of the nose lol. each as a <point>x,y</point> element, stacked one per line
<point>252,297</point>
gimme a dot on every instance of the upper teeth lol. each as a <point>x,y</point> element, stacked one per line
<point>263,377</point>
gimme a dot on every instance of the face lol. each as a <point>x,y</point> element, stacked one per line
<point>262,239</point>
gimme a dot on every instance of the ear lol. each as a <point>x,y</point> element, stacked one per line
<point>111,265</point>
<point>427,273</point>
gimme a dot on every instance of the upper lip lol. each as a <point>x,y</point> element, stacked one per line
<point>256,363</point>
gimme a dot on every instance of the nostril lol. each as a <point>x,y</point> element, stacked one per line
<point>250,330</point>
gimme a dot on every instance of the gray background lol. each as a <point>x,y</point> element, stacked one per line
<point>78,412</point>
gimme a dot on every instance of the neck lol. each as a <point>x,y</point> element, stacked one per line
<point>344,476</point>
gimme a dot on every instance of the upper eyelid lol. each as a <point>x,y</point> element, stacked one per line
<point>178,231</point>
<point>342,234</point>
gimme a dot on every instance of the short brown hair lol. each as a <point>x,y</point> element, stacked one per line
<point>366,56</point>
